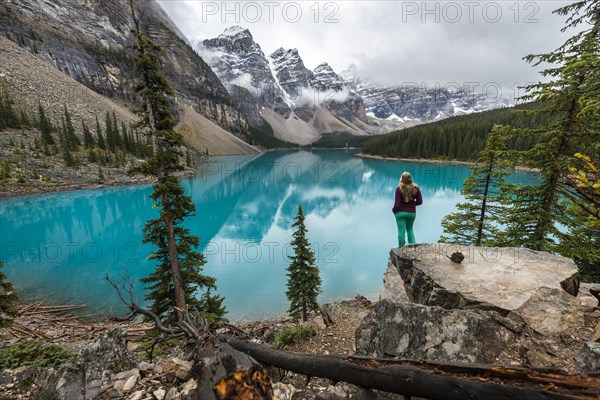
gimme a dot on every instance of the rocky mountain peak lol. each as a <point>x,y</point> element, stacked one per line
<point>290,71</point>
<point>286,58</point>
<point>323,67</point>
<point>243,67</point>
<point>236,31</point>
<point>325,78</point>
<point>234,40</point>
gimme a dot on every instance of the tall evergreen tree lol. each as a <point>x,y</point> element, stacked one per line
<point>101,140</point>
<point>71,139</point>
<point>125,139</point>
<point>88,138</point>
<point>539,208</point>
<point>304,282</point>
<point>68,156</point>
<point>11,120</point>
<point>476,220</point>
<point>45,126</point>
<point>2,113</point>
<point>8,301</point>
<point>115,129</point>
<point>177,278</point>
<point>111,142</point>
<point>24,119</point>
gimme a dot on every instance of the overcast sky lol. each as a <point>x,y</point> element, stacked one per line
<point>393,41</point>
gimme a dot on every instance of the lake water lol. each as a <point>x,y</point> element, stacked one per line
<point>59,247</point>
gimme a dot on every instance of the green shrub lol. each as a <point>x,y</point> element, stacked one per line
<point>292,334</point>
<point>33,353</point>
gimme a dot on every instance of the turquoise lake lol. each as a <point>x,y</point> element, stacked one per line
<point>59,247</point>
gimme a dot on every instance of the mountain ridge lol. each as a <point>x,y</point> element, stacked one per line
<point>296,92</point>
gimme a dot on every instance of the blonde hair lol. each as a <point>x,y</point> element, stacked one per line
<point>407,187</point>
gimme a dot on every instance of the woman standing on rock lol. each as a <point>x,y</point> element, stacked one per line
<point>408,197</point>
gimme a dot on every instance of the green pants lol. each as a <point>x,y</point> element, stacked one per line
<point>405,221</point>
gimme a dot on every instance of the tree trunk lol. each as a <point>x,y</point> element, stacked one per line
<point>174,262</point>
<point>488,177</point>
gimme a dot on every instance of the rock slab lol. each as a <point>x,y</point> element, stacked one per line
<point>489,278</point>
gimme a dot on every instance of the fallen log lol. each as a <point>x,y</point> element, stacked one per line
<point>584,383</point>
<point>410,380</point>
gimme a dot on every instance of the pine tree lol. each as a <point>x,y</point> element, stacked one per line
<point>533,222</point>
<point>101,141</point>
<point>24,119</point>
<point>304,282</point>
<point>11,120</point>
<point>126,144</point>
<point>177,278</point>
<point>476,220</point>
<point>188,158</point>
<point>2,113</point>
<point>88,139</point>
<point>110,133</point>
<point>72,141</point>
<point>45,126</point>
<point>66,152</point>
<point>8,301</point>
<point>115,129</point>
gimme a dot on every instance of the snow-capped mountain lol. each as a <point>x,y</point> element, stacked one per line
<point>418,104</point>
<point>300,104</point>
<point>244,69</point>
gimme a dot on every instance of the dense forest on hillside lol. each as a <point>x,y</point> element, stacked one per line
<point>461,137</point>
<point>339,139</point>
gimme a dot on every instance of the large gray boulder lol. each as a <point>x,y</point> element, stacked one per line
<point>421,332</point>
<point>497,305</point>
<point>489,278</point>
<point>552,311</point>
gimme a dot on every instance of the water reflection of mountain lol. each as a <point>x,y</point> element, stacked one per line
<point>274,184</point>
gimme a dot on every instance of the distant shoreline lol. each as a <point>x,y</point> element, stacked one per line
<point>434,161</point>
<point>419,160</point>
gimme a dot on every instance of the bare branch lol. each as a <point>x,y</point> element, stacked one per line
<point>135,309</point>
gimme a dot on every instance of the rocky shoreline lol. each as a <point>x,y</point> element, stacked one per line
<point>16,191</point>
